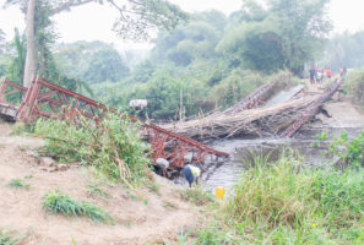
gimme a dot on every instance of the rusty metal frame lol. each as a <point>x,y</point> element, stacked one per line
<point>312,109</point>
<point>254,100</point>
<point>44,99</point>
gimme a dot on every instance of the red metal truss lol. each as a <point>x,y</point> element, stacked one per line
<point>11,95</point>
<point>312,109</point>
<point>254,100</point>
<point>48,100</point>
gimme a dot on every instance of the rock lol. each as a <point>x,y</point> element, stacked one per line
<point>47,161</point>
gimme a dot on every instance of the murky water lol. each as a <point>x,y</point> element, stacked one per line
<point>242,151</point>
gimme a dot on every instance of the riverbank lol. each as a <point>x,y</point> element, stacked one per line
<point>158,218</point>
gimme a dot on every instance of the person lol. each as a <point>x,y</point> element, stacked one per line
<point>312,75</point>
<point>329,73</point>
<point>161,165</point>
<point>192,173</point>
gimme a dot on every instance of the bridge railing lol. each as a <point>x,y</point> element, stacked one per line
<point>48,100</point>
<point>313,108</point>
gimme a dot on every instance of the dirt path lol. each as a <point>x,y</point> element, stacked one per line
<point>135,222</point>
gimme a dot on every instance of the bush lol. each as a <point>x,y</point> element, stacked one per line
<point>7,237</point>
<point>19,183</point>
<point>355,86</point>
<point>351,153</point>
<point>114,147</point>
<point>59,203</point>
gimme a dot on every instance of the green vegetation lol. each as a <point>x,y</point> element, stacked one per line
<point>18,184</point>
<point>355,86</point>
<point>59,203</point>
<point>8,237</point>
<point>197,195</point>
<point>114,148</point>
<point>350,152</point>
<point>96,189</point>
<point>285,203</point>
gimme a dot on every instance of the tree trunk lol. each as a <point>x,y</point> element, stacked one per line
<point>31,59</point>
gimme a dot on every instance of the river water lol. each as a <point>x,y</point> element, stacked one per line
<point>242,151</point>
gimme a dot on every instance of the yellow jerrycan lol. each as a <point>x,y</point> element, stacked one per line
<point>220,192</point>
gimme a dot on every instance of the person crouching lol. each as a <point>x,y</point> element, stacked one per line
<point>192,173</point>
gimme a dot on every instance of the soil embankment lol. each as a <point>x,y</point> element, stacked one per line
<point>136,222</point>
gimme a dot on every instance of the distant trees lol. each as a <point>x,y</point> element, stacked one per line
<point>345,50</point>
<point>285,34</point>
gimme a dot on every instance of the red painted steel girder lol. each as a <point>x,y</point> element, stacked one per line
<point>49,100</point>
<point>254,100</point>
<point>312,109</point>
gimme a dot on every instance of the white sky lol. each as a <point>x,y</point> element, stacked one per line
<point>94,22</point>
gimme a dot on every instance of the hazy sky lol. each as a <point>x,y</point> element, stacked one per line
<point>94,22</point>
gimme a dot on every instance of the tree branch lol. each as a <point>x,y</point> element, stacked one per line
<point>69,5</point>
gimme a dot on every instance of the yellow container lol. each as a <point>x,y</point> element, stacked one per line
<point>220,192</point>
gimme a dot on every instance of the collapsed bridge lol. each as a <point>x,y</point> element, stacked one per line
<point>44,99</point>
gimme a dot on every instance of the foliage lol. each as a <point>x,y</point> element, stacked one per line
<point>285,203</point>
<point>7,237</point>
<point>59,203</point>
<point>19,183</point>
<point>96,189</point>
<point>197,195</point>
<point>16,68</point>
<point>355,86</point>
<point>114,147</point>
<point>350,152</point>
<point>287,34</point>
<point>105,65</point>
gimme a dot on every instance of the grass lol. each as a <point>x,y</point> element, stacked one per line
<point>19,183</point>
<point>285,203</point>
<point>197,195</point>
<point>59,203</point>
<point>153,187</point>
<point>8,237</point>
<point>96,190</point>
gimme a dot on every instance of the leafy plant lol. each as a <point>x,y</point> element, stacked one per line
<point>350,152</point>
<point>59,203</point>
<point>7,237</point>
<point>19,183</point>
<point>114,147</point>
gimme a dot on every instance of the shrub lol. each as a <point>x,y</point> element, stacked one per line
<point>350,152</point>
<point>114,147</point>
<point>18,183</point>
<point>7,237</point>
<point>59,203</point>
<point>355,85</point>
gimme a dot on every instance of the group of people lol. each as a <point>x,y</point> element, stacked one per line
<point>318,75</point>
<point>191,172</point>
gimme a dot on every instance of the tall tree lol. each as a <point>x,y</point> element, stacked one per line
<point>280,34</point>
<point>136,19</point>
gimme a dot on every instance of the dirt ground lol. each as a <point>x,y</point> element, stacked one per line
<point>158,221</point>
<point>341,112</point>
